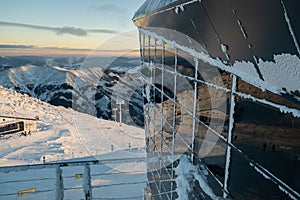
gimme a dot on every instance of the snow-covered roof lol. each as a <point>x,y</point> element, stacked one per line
<point>151,5</point>
<point>14,117</point>
<point>7,122</point>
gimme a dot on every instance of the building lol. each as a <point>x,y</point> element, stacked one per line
<point>9,125</point>
<point>222,109</point>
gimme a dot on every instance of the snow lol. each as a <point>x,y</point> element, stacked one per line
<point>283,73</point>
<point>66,135</point>
<point>62,133</point>
<point>181,7</point>
<point>242,29</point>
<point>185,172</point>
<point>224,48</point>
<point>177,10</point>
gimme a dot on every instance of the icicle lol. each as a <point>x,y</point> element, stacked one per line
<point>229,137</point>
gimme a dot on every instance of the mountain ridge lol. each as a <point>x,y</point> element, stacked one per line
<point>86,89</point>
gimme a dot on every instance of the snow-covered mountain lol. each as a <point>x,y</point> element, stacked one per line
<point>18,61</point>
<point>86,85</point>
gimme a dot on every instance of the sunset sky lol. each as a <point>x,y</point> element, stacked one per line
<point>35,27</point>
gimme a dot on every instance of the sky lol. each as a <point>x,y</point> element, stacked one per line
<point>65,27</point>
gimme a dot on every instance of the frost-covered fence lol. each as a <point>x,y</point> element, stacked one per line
<point>80,179</point>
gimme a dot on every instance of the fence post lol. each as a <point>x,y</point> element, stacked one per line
<point>59,184</point>
<point>87,182</point>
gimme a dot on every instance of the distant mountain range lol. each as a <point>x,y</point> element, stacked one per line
<point>90,85</point>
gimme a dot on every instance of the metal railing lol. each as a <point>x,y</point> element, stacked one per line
<point>50,178</point>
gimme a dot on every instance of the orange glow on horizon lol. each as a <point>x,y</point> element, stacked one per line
<point>63,52</point>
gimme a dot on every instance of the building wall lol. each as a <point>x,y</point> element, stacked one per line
<point>30,125</point>
<point>249,146</point>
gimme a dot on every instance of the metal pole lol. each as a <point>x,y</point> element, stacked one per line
<point>120,114</point>
<point>59,184</point>
<point>87,182</point>
<point>115,113</point>
<point>120,104</point>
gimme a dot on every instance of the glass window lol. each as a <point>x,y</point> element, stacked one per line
<point>212,75</point>
<point>167,135</point>
<point>213,106</point>
<point>146,49</point>
<point>157,79</point>
<point>168,110</point>
<point>246,183</point>
<point>169,55</point>
<point>146,70</point>
<point>285,99</point>
<point>145,54</point>
<point>151,138</point>
<point>158,52</point>
<point>270,137</point>
<point>142,45</point>
<point>214,152</point>
<point>185,93</point>
<point>152,49</point>
<point>185,64</point>
<point>183,136</point>
<point>169,81</point>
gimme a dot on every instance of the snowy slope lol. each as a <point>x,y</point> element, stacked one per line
<point>62,133</point>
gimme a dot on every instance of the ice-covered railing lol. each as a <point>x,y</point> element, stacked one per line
<point>85,179</point>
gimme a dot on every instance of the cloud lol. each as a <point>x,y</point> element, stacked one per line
<point>60,30</point>
<point>70,30</point>
<point>21,46</point>
<point>110,8</point>
<point>102,31</point>
<point>12,46</point>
